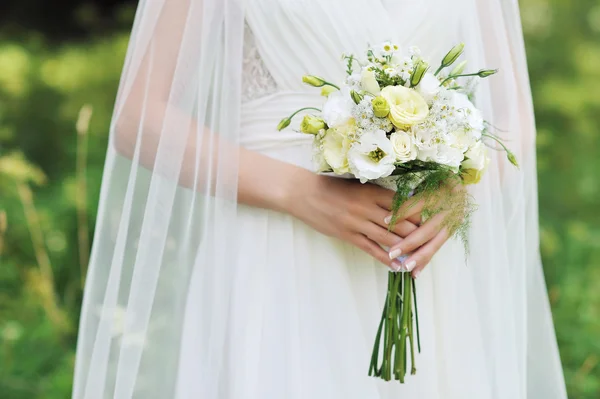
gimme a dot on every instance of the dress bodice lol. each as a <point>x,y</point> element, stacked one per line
<point>285,39</point>
<point>256,78</point>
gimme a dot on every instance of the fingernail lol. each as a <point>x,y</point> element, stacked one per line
<point>416,274</point>
<point>387,219</point>
<point>396,266</point>
<point>410,265</point>
<point>395,253</point>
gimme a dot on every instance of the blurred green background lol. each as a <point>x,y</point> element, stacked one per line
<point>60,63</point>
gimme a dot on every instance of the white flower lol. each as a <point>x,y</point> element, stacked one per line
<point>369,83</point>
<point>337,110</point>
<point>471,114</point>
<point>460,139</point>
<point>353,81</point>
<point>336,144</point>
<point>476,157</point>
<point>425,142</point>
<point>372,157</point>
<point>383,124</point>
<point>386,48</point>
<point>403,145</point>
<point>429,87</point>
<point>448,155</point>
<point>391,72</point>
<point>406,67</point>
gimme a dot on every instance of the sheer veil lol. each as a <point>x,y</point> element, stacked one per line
<point>168,202</point>
<point>511,110</point>
<point>167,213</point>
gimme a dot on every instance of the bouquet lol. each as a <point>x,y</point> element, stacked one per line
<point>396,124</point>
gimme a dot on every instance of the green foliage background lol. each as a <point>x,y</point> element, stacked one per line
<point>43,86</point>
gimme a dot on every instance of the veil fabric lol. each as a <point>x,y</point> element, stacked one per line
<point>168,200</point>
<point>173,247</point>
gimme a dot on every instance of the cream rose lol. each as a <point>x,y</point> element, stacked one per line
<point>476,157</point>
<point>336,145</point>
<point>404,147</point>
<point>407,107</point>
<point>475,163</point>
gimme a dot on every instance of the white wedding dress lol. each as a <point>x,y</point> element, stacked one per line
<point>274,309</point>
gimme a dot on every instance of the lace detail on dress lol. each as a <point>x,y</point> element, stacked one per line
<point>256,80</point>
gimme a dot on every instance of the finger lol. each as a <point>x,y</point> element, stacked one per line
<point>415,219</point>
<point>384,198</point>
<point>421,257</point>
<point>418,237</point>
<point>410,210</point>
<point>380,235</point>
<point>402,228</point>
<point>373,249</point>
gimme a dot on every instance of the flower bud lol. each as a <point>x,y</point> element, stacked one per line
<point>356,97</point>
<point>511,157</point>
<point>285,122</point>
<point>313,80</point>
<point>311,124</point>
<point>418,73</point>
<point>381,108</point>
<point>369,83</point>
<point>484,73</point>
<point>460,68</point>
<point>453,55</point>
<point>327,90</point>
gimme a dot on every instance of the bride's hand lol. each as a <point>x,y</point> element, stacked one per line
<point>348,210</point>
<point>424,241</point>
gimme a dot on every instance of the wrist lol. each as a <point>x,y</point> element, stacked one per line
<point>294,188</point>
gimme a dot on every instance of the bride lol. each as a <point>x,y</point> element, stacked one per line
<point>224,268</point>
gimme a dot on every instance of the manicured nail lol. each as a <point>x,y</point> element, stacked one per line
<point>416,274</point>
<point>395,253</point>
<point>410,265</point>
<point>396,266</point>
<point>387,219</point>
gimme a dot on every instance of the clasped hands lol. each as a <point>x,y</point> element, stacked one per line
<point>360,214</point>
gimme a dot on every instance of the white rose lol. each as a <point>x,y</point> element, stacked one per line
<point>336,145</point>
<point>404,147</point>
<point>429,87</point>
<point>337,110</point>
<point>448,155</point>
<point>471,114</point>
<point>476,157</point>
<point>372,157</point>
<point>369,83</point>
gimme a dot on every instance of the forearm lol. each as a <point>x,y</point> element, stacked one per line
<point>262,181</point>
<point>268,183</point>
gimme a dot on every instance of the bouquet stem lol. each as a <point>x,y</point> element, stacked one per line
<point>396,328</point>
